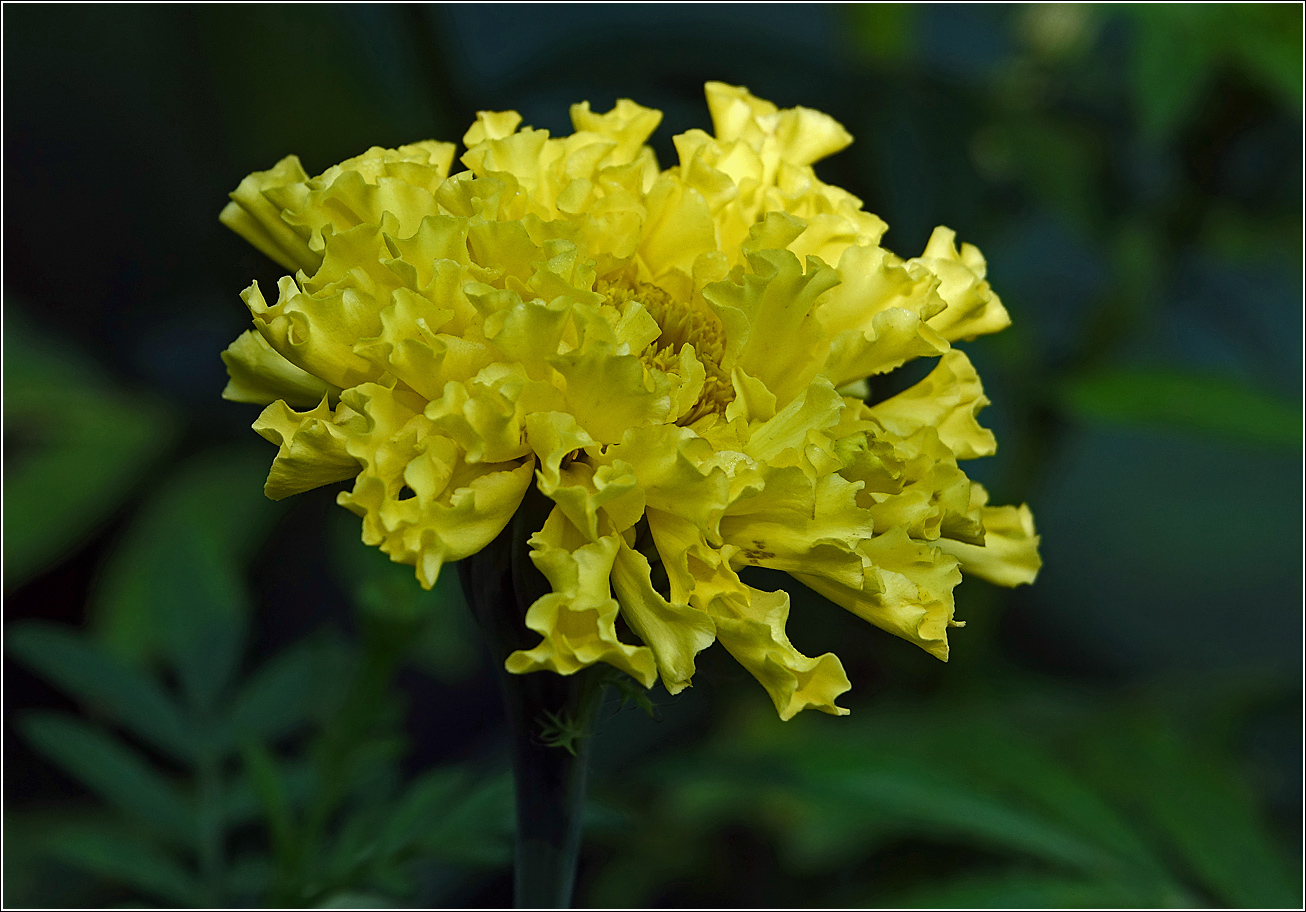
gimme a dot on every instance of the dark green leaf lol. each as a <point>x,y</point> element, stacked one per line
<point>422,807</point>
<point>1019,766</point>
<point>1266,39</point>
<point>1172,65</point>
<point>1059,163</point>
<point>73,448</point>
<point>214,504</point>
<point>204,611</point>
<point>477,829</point>
<point>353,899</point>
<point>1210,816</point>
<point>270,788</point>
<point>933,801</point>
<point>885,31</point>
<point>241,804</point>
<point>249,878</point>
<point>124,859</point>
<point>102,681</point>
<point>113,771</point>
<point>1209,404</point>
<point>283,694</point>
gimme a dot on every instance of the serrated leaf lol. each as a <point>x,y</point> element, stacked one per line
<point>98,679</point>
<point>113,771</point>
<point>1209,404</point>
<point>124,859</point>
<point>74,446</point>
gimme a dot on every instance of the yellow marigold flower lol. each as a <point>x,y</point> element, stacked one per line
<point>672,356</point>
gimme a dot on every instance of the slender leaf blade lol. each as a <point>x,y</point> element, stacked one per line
<point>113,771</point>
<point>97,678</point>
<point>123,858</point>
<point>1214,405</point>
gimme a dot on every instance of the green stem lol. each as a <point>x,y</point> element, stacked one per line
<point>550,716</point>
<point>550,782</point>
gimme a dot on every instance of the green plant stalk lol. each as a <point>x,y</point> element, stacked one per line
<point>550,783</point>
<point>550,716</point>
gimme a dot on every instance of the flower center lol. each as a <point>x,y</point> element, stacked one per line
<point>682,324</point>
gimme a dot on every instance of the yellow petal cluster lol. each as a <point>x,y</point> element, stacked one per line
<point>671,356</point>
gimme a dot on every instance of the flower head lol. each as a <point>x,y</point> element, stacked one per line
<point>672,356</point>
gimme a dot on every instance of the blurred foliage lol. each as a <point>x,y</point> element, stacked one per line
<point>1070,801</point>
<point>241,704</point>
<point>278,784</point>
<point>1211,404</point>
<point>74,446</point>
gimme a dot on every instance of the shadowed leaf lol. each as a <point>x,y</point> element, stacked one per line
<point>125,859</point>
<point>102,681</point>
<point>113,771</point>
<point>74,446</point>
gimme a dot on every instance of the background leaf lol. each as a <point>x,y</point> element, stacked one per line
<point>103,682</point>
<point>1204,403</point>
<point>74,447</point>
<point>213,504</point>
<point>125,859</point>
<point>204,611</point>
<point>1200,809</point>
<point>112,770</point>
<point>289,690</point>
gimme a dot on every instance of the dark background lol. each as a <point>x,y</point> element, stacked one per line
<point>1133,176</point>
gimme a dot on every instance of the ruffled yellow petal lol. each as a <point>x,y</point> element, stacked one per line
<point>597,501</point>
<point>312,446</point>
<point>907,590</point>
<point>628,124</point>
<point>1008,554</point>
<point>973,309</point>
<point>770,329</point>
<point>797,524</point>
<point>578,618</point>
<point>672,467</point>
<point>948,399</point>
<point>802,136</point>
<point>877,317</point>
<point>674,632</point>
<point>258,220</point>
<point>422,503</point>
<point>259,375</point>
<point>749,623</point>
<point>607,390</point>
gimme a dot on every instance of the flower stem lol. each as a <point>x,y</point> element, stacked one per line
<point>550,780</point>
<point>550,716</point>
